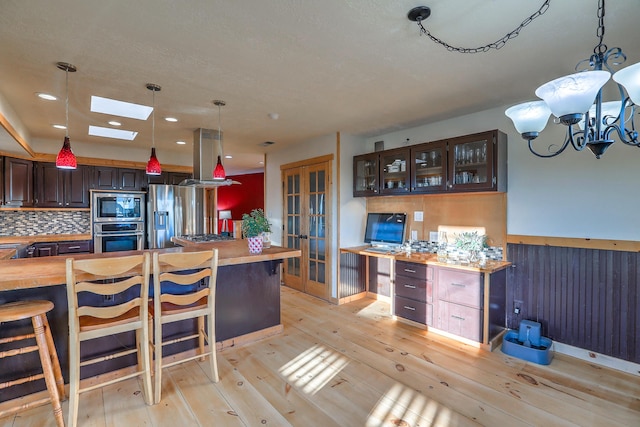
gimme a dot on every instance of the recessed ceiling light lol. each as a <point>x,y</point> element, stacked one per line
<point>228,157</point>
<point>180,142</point>
<point>47,96</point>
<point>128,135</point>
<point>171,119</point>
<point>59,126</point>
<point>114,123</point>
<point>120,108</point>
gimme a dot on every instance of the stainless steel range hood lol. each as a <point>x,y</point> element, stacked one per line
<point>205,154</point>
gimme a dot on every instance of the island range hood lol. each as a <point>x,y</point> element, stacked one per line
<point>205,153</point>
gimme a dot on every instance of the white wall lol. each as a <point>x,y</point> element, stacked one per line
<point>572,195</point>
<point>352,209</point>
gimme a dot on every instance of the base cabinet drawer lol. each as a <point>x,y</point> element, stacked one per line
<point>460,287</point>
<point>416,311</point>
<point>81,246</point>
<point>460,320</point>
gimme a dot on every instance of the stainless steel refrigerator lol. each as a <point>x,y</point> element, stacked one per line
<point>174,210</point>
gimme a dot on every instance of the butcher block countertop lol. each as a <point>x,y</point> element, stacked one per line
<point>491,266</point>
<point>28,273</point>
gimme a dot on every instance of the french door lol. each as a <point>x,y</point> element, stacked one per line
<point>307,221</point>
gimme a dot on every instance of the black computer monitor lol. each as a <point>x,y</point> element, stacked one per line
<point>385,228</point>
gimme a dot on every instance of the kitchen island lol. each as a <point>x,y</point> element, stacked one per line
<point>247,304</point>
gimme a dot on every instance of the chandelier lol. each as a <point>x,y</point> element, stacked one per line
<point>576,102</point>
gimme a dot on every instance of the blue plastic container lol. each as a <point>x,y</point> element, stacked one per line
<point>527,344</point>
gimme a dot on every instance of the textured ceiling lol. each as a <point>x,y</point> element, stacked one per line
<point>358,67</point>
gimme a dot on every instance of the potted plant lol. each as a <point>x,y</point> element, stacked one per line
<point>471,242</point>
<point>254,225</point>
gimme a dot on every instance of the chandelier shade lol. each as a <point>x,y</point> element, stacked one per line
<point>65,158</point>
<point>573,94</point>
<point>530,117</point>
<point>629,77</point>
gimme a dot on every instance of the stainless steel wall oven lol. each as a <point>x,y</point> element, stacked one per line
<point>117,221</point>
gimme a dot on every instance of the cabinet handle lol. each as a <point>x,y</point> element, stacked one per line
<point>409,286</point>
<point>411,308</point>
<point>73,247</point>
<point>460,285</point>
<point>457,317</point>
<point>409,271</point>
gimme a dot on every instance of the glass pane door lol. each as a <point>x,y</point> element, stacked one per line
<point>471,164</point>
<point>365,171</point>
<point>292,227</point>
<point>429,167</point>
<point>316,186</point>
<point>394,167</point>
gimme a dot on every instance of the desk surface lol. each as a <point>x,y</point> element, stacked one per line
<point>430,259</point>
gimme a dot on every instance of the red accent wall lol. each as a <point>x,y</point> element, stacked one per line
<point>241,198</point>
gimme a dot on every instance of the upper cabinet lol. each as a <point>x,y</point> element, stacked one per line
<point>112,178</point>
<point>18,182</point>
<point>62,188</point>
<point>475,162</point>
<point>170,178</point>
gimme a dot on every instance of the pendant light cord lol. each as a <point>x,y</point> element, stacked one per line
<point>66,103</point>
<point>153,120</point>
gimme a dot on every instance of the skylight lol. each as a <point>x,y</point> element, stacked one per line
<point>128,135</point>
<point>120,108</point>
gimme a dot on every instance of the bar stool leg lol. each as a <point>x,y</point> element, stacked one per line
<point>201,337</point>
<point>213,360</point>
<point>55,363</point>
<point>45,359</point>
<point>74,376</point>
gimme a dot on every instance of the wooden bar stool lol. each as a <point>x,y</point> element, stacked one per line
<point>127,275</point>
<point>36,310</point>
<point>195,302</point>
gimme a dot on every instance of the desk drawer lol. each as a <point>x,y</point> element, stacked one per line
<point>460,287</point>
<point>460,320</point>
<point>414,288</point>
<point>414,310</point>
<point>410,269</point>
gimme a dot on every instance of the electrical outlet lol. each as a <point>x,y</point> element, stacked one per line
<point>414,234</point>
<point>417,216</point>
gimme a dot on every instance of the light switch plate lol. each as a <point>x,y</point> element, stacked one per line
<point>417,216</point>
<point>433,236</point>
<point>414,234</point>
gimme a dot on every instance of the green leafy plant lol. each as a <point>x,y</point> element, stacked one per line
<point>470,241</point>
<point>255,223</point>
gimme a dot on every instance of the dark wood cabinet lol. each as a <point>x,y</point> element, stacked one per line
<point>62,187</point>
<point>171,178</point>
<point>60,248</point>
<point>476,162</point>
<point>112,178</point>
<point>45,249</point>
<point>413,298</point>
<point>18,182</point>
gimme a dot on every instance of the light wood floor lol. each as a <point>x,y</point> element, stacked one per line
<point>352,365</point>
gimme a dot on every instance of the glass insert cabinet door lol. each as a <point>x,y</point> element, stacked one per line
<point>365,175</point>
<point>394,171</point>
<point>429,167</point>
<point>471,165</point>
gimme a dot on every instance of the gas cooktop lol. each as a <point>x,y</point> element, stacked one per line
<point>206,237</point>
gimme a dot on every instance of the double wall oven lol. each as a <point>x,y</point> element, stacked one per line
<point>117,220</point>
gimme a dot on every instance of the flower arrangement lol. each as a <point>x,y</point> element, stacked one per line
<point>255,223</point>
<point>470,241</point>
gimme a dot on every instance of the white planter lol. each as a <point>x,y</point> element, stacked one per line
<point>255,244</point>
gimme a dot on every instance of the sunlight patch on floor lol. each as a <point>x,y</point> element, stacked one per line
<point>403,406</point>
<point>314,368</point>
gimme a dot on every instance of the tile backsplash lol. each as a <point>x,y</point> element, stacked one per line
<point>32,223</point>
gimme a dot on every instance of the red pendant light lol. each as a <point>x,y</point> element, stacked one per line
<point>153,165</point>
<point>65,158</point>
<point>218,172</point>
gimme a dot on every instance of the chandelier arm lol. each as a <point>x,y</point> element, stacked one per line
<point>579,138</point>
<point>627,136</point>
<point>498,44</point>
<point>552,154</point>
